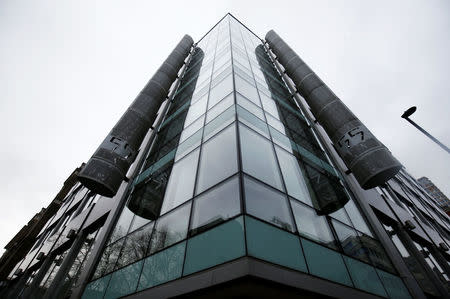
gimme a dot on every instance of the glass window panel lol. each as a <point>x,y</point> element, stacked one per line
<point>170,228</point>
<point>282,140</point>
<point>108,259</point>
<point>181,183</point>
<point>124,281</point>
<point>350,241</point>
<point>365,277</point>
<point>247,90</point>
<point>268,204</point>
<point>275,123</point>
<point>274,245</point>
<point>221,90</point>
<point>269,105</point>
<point>218,123</point>
<point>255,149</point>
<point>189,144</point>
<point>394,285</point>
<point>341,215</point>
<point>325,263</point>
<point>252,121</point>
<point>191,129</point>
<point>311,225</point>
<point>122,225</point>
<point>215,246</point>
<point>96,289</point>
<point>357,219</point>
<point>216,206</point>
<point>218,159</point>
<point>135,246</point>
<point>220,74</point>
<point>220,107</point>
<point>162,267</point>
<point>243,102</point>
<point>196,110</point>
<point>376,253</point>
<point>293,176</point>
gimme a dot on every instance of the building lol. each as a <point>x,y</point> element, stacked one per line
<point>436,193</point>
<point>235,189</point>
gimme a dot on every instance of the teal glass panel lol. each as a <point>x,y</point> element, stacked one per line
<point>220,107</point>
<point>124,281</point>
<point>218,123</point>
<point>218,245</point>
<point>325,263</point>
<point>365,277</point>
<point>394,285</point>
<point>274,245</point>
<point>162,267</point>
<point>252,121</point>
<point>96,288</point>
<point>135,246</point>
<point>247,105</point>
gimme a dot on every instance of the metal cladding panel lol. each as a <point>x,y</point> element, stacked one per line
<point>370,161</point>
<point>107,168</point>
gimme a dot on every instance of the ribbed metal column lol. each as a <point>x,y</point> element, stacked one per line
<point>107,168</point>
<point>370,161</point>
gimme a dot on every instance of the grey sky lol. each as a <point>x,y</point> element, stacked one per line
<point>69,69</point>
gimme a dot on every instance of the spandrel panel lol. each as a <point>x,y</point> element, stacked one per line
<point>311,225</point>
<point>218,159</point>
<point>220,91</point>
<point>268,204</point>
<point>124,281</point>
<point>170,228</point>
<point>247,90</point>
<point>250,106</point>
<point>181,183</point>
<point>365,277</point>
<point>219,123</point>
<point>192,128</point>
<point>220,107</point>
<point>216,206</point>
<point>252,121</point>
<point>274,245</point>
<point>254,149</point>
<point>293,176</point>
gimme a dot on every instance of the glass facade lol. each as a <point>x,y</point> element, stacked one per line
<point>235,170</point>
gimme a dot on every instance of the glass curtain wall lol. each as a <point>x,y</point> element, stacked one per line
<point>236,171</point>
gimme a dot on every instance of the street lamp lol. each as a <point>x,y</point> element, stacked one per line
<point>406,116</point>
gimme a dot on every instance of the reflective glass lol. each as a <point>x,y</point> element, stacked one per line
<point>365,277</point>
<point>135,246</point>
<point>220,122</point>
<point>357,219</point>
<point>220,107</point>
<point>124,281</point>
<point>96,289</point>
<point>274,245</point>
<point>350,241</point>
<point>268,204</point>
<point>252,121</point>
<point>196,110</point>
<point>311,225</point>
<point>269,105</point>
<point>216,206</point>
<point>376,253</point>
<point>254,150</point>
<point>122,225</point>
<point>189,144</point>
<point>243,102</point>
<point>247,90</point>
<point>192,128</point>
<point>138,222</point>
<point>163,266</point>
<point>215,246</point>
<point>325,263</point>
<point>293,176</point>
<point>181,183</point>
<point>108,259</point>
<point>394,285</point>
<point>218,159</point>
<point>220,91</point>
<point>170,228</point>
<point>275,123</point>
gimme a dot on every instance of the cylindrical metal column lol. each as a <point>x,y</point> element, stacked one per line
<point>370,161</point>
<point>107,168</point>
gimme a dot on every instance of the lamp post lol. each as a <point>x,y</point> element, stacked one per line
<point>406,116</point>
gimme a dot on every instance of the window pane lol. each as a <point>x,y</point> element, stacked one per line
<point>181,183</point>
<point>135,246</point>
<point>275,123</point>
<point>218,160</point>
<point>221,90</point>
<point>312,225</point>
<point>192,128</point>
<point>269,105</point>
<point>215,206</point>
<point>108,259</point>
<point>268,204</point>
<point>122,225</point>
<point>293,176</point>
<point>247,90</point>
<point>124,281</point>
<point>358,221</point>
<point>162,266</point>
<point>256,149</point>
<point>252,121</point>
<point>218,245</point>
<point>96,289</point>
<point>350,241</point>
<point>325,263</point>
<point>219,123</point>
<point>394,285</point>
<point>365,277</point>
<point>243,102</point>
<point>196,110</point>
<point>274,245</point>
<point>138,222</point>
<point>171,228</point>
<point>220,107</point>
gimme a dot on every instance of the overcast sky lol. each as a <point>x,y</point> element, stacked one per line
<point>69,69</point>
